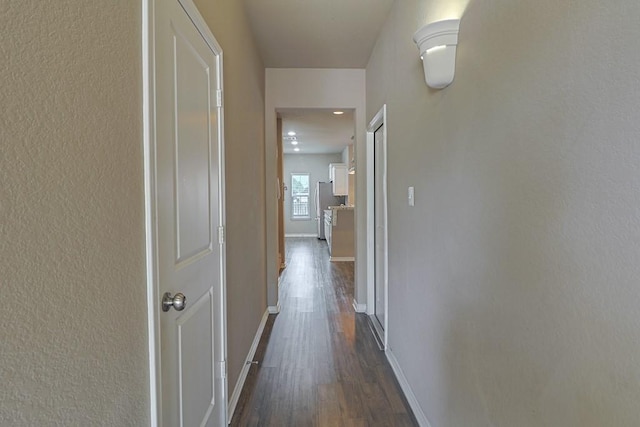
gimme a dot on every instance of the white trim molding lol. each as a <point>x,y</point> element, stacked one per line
<point>359,308</point>
<point>233,400</point>
<point>422,419</point>
<point>301,235</point>
<point>274,309</point>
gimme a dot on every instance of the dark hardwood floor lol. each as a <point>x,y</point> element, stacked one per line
<point>318,363</point>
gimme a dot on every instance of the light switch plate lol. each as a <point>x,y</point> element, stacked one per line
<point>410,196</point>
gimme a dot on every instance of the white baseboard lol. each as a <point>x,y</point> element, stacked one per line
<point>406,389</point>
<point>342,258</point>
<point>233,401</point>
<point>274,309</point>
<point>359,308</point>
<point>301,235</point>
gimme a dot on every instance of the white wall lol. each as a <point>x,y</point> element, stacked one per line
<point>73,341</point>
<point>317,166</point>
<point>514,281</point>
<point>312,88</point>
<point>344,156</point>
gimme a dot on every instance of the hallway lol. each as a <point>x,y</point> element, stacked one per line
<point>318,363</point>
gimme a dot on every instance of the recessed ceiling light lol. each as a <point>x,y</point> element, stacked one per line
<point>337,113</point>
<point>294,142</point>
<point>291,133</point>
<point>296,149</point>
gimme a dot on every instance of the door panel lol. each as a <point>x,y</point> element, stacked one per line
<point>193,150</point>
<point>196,353</point>
<point>188,203</point>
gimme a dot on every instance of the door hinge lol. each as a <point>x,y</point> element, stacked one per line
<point>220,235</point>
<point>223,369</point>
<point>219,98</point>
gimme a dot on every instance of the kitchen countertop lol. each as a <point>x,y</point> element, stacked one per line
<point>341,207</point>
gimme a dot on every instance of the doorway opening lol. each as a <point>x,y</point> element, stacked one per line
<point>377,253</point>
<point>317,179</point>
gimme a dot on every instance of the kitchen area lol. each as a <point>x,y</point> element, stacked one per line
<point>339,233</point>
<point>317,180</point>
<point>335,212</point>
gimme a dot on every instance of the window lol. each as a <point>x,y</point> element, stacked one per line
<point>300,196</point>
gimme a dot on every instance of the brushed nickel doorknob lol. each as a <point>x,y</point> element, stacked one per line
<point>179,301</point>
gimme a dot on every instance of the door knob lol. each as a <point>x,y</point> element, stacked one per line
<point>179,301</point>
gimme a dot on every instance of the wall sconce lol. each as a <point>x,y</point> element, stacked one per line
<point>437,45</point>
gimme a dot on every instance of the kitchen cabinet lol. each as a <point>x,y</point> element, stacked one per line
<point>327,228</point>
<point>340,233</point>
<point>339,177</point>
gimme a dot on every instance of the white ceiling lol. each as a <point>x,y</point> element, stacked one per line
<point>316,34</point>
<point>317,131</point>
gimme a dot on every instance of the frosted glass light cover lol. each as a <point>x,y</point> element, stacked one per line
<point>439,67</point>
<point>437,46</point>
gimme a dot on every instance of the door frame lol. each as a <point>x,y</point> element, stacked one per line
<point>149,140</point>
<point>281,186</point>
<point>379,119</point>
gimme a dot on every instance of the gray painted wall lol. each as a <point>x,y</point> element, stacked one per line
<point>514,281</point>
<point>73,341</point>
<point>317,165</point>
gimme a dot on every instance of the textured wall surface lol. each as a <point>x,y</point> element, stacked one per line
<point>317,166</point>
<point>514,281</point>
<point>244,160</point>
<point>73,339</point>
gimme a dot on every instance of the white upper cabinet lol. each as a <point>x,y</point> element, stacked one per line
<point>339,176</point>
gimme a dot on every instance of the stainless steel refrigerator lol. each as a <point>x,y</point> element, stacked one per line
<point>323,198</point>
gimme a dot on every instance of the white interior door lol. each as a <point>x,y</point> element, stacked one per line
<point>380,226</point>
<point>188,196</point>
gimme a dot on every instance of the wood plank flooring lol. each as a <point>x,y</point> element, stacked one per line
<point>318,363</point>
